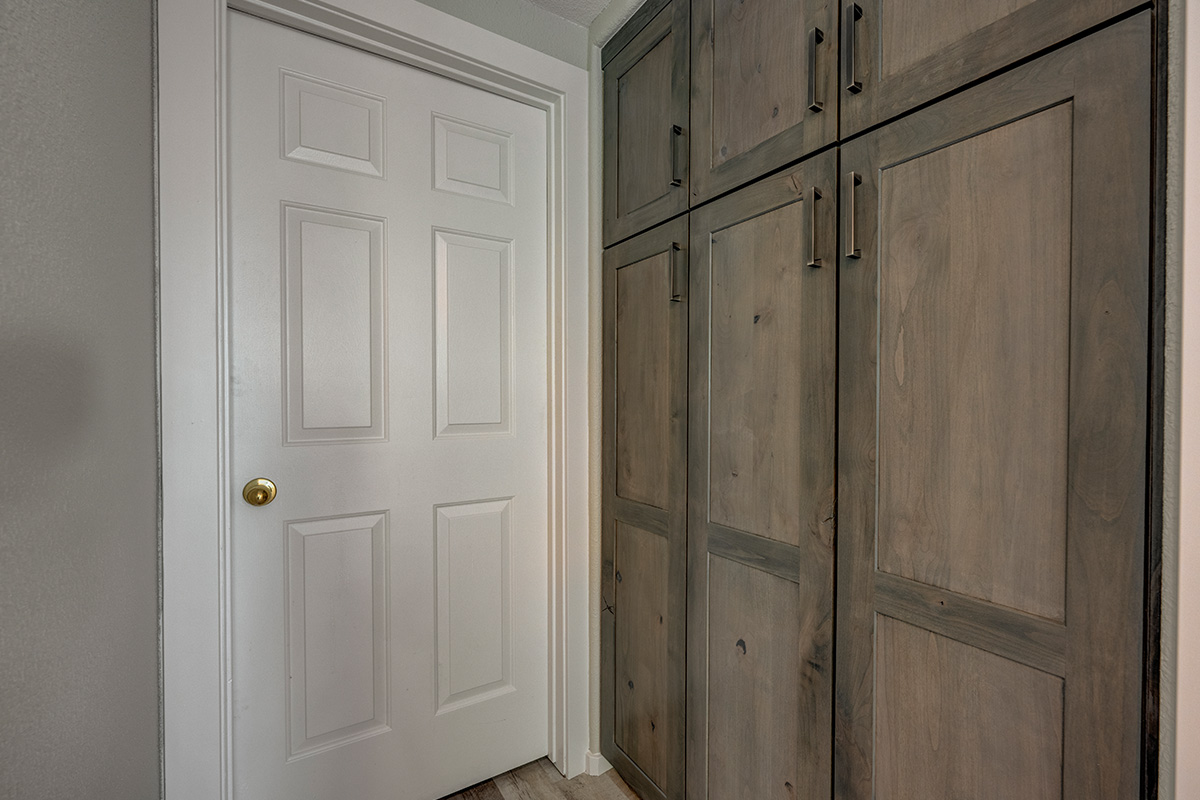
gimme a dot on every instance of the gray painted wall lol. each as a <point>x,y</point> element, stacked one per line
<point>607,23</point>
<point>78,452</point>
<point>524,22</point>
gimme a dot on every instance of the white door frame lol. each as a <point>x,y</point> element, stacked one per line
<point>194,348</point>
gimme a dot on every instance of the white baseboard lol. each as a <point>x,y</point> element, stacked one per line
<point>597,764</point>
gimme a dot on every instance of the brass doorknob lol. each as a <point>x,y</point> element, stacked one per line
<point>259,492</point>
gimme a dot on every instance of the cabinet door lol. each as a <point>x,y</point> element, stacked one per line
<point>898,54</point>
<point>645,509</point>
<point>761,489</point>
<point>646,122</point>
<point>993,436</point>
<point>764,87</point>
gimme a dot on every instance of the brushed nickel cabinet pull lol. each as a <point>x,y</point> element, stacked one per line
<point>678,272</point>
<point>810,240</point>
<point>849,181</point>
<point>851,15</point>
<point>815,37</point>
<point>677,169</point>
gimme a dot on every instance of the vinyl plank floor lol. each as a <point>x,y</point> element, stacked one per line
<point>539,780</point>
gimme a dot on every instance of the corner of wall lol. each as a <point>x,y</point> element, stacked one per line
<point>595,189</point>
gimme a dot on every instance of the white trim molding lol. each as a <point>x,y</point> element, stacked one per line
<point>196,488</point>
<point>597,764</point>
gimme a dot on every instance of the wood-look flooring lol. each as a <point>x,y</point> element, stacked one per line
<point>539,780</point>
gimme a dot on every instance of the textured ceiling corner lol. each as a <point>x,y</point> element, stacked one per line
<point>578,11</point>
<point>610,19</point>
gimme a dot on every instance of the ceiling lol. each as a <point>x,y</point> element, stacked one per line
<point>580,11</point>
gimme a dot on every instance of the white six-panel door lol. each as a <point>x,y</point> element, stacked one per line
<point>389,374</point>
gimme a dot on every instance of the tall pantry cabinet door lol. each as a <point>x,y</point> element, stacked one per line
<point>994,291</point>
<point>898,54</point>
<point>764,89</point>
<point>646,121</point>
<point>644,544</point>
<point>761,489</point>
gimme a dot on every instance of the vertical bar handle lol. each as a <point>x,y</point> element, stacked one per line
<point>815,37</point>
<point>850,15</point>
<point>811,258</point>
<point>678,272</point>
<point>849,181</point>
<point>677,168</point>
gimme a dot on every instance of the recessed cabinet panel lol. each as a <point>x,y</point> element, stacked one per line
<point>643,380</point>
<point>643,92</point>
<point>972,418</point>
<point>755,381</point>
<point>643,721</point>
<point>761,396</point>
<point>763,87</point>
<point>898,54</point>
<point>753,662</point>
<point>646,124</point>
<point>994,297</point>
<point>644,510</point>
<point>950,714</point>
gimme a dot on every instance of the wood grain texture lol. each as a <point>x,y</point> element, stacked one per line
<point>781,747</point>
<point>749,89</point>
<point>954,721</point>
<point>913,30</point>
<point>483,791</point>
<point>540,780</point>
<point>643,128</point>
<point>767,555</point>
<point>655,580</point>
<point>643,385</point>
<point>754,704</point>
<point>759,74</point>
<point>756,390</point>
<point>645,99</point>
<point>974,333</point>
<point>1106,79</point>
<point>643,720</point>
<point>1034,641</point>
<point>648,518</point>
<point>912,51</point>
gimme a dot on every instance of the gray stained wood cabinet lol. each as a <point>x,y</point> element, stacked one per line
<point>644,508</point>
<point>993,427</point>
<point>763,347</point>
<point>897,54</point>
<point>764,88</point>
<point>876,480</point>
<point>646,122</point>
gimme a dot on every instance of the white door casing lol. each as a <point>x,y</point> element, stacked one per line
<point>198,487</point>
<point>388,369</point>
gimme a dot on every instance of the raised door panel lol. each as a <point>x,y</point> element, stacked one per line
<point>646,122</point>
<point>761,488</point>
<point>992,417</point>
<point>897,54</point>
<point>763,88</point>
<point>644,539</point>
